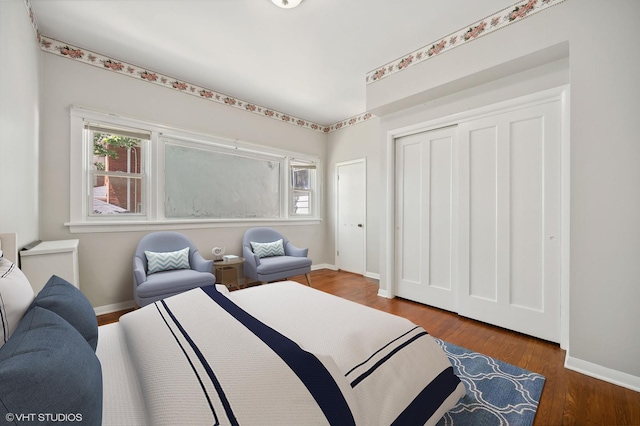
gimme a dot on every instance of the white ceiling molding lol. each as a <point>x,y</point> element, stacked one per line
<point>494,22</point>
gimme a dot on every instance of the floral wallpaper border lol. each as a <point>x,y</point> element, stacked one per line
<point>507,16</point>
<point>494,22</point>
<point>92,58</point>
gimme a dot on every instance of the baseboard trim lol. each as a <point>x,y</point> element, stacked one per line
<point>603,373</point>
<point>115,307</point>
<point>324,266</point>
<point>372,275</point>
<point>383,293</point>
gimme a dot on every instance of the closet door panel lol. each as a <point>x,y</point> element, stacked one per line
<point>426,212</point>
<point>526,214</point>
<point>411,217</point>
<point>510,220</point>
<point>440,220</point>
<point>483,147</point>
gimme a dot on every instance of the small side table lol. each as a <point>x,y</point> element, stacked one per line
<point>227,271</point>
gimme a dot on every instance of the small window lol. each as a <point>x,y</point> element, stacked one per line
<point>117,182</point>
<point>303,181</point>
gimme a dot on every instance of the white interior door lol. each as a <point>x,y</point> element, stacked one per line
<point>351,208</point>
<point>426,218</point>
<point>510,217</point>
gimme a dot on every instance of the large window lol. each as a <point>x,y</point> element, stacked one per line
<point>131,173</point>
<point>210,182</point>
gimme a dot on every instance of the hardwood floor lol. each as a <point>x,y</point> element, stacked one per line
<point>568,398</point>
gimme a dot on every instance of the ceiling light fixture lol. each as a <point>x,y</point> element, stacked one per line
<point>286,4</point>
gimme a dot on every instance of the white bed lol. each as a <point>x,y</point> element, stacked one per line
<point>277,354</point>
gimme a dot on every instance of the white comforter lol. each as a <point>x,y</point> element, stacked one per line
<point>283,354</point>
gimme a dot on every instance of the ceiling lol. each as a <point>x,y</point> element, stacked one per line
<point>310,61</point>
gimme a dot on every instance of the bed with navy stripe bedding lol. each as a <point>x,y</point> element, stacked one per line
<point>281,354</point>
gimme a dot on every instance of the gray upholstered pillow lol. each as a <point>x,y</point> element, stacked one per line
<point>159,262</point>
<point>48,368</point>
<point>16,294</point>
<point>274,248</point>
<point>66,300</point>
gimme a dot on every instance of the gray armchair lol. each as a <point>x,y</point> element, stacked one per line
<point>273,268</point>
<point>149,288</point>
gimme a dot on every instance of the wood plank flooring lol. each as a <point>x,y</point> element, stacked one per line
<point>568,398</point>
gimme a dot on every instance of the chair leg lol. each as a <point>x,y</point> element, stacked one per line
<point>308,276</point>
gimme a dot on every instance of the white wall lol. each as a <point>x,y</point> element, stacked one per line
<point>19,122</point>
<point>106,258</point>
<point>605,182</point>
<point>353,143</point>
<point>603,66</point>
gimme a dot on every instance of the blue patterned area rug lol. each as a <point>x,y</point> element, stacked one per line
<point>497,393</point>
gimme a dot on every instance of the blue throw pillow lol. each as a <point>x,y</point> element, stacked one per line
<point>159,262</point>
<point>274,248</point>
<point>66,300</point>
<point>47,369</point>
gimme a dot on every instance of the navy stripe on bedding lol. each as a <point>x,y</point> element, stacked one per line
<point>307,367</point>
<point>385,359</point>
<point>380,350</point>
<point>424,406</point>
<point>202,386</point>
<point>223,398</point>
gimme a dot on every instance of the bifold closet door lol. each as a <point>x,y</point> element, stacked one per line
<point>509,212</point>
<point>425,218</point>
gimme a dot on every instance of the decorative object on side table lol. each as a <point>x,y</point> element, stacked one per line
<point>217,253</point>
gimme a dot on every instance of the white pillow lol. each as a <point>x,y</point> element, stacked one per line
<point>16,294</point>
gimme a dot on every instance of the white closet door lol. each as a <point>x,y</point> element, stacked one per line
<point>426,211</point>
<point>510,207</point>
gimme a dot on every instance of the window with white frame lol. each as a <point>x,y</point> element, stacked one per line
<point>127,172</point>
<point>303,182</point>
<point>116,174</point>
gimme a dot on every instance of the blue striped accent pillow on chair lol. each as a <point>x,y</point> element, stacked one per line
<point>274,248</point>
<point>158,262</point>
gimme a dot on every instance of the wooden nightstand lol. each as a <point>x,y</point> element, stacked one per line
<point>227,271</point>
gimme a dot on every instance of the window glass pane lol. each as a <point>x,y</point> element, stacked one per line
<point>202,183</point>
<point>301,178</point>
<point>301,202</point>
<point>118,151</point>
<point>116,194</point>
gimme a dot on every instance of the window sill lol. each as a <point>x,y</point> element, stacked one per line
<point>131,226</point>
